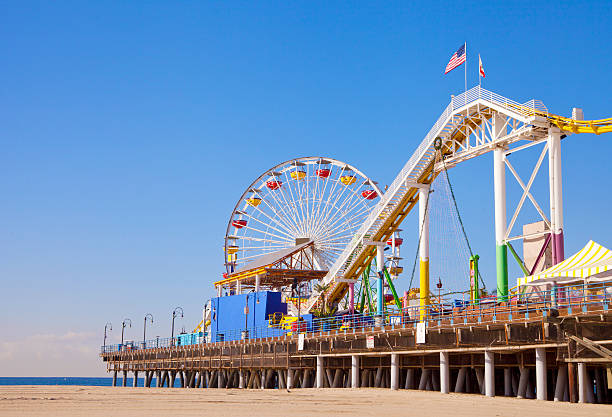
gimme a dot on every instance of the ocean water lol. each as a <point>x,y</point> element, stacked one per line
<point>92,382</point>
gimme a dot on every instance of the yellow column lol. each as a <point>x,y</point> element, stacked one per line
<point>424,287</point>
<point>423,251</point>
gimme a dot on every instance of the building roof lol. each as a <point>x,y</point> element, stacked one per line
<point>271,258</point>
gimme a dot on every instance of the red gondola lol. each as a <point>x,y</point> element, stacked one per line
<point>239,224</point>
<point>369,194</point>
<point>398,241</point>
<point>274,185</point>
<point>323,172</point>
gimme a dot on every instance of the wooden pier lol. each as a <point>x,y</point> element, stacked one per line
<point>563,356</point>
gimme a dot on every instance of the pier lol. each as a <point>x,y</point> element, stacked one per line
<point>522,350</point>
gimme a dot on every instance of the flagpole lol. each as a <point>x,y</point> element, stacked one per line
<point>479,77</point>
<point>465,47</point>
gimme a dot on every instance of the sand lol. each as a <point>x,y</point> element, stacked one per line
<point>135,402</point>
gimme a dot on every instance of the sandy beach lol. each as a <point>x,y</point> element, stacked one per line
<point>135,402</point>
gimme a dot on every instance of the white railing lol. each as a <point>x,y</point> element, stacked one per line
<point>456,103</point>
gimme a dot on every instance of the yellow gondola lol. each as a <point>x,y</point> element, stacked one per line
<point>396,270</point>
<point>298,175</point>
<point>231,249</point>
<point>253,201</point>
<point>348,179</point>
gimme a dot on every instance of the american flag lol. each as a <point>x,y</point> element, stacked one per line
<point>457,59</point>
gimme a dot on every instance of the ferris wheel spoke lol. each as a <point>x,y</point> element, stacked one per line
<point>284,232</point>
<point>300,187</point>
<point>284,239</point>
<point>245,248</point>
<point>275,219</point>
<point>290,186</point>
<point>261,239</point>
<point>347,189</point>
<point>331,193</point>
<point>338,221</point>
<point>320,204</point>
<point>351,192</point>
<point>339,213</point>
<point>280,219</point>
<point>282,206</point>
<point>290,203</point>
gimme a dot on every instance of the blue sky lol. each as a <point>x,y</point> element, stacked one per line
<point>129,129</point>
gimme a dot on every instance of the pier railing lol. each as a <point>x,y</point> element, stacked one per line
<point>562,301</point>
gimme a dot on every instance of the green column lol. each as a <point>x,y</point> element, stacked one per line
<point>475,290</point>
<point>501,257</point>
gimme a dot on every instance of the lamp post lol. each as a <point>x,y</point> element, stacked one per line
<point>123,324</point>
<point>108,326</point>
<point>174,315</point>
<point>144,332</point>
<point>245,333</point>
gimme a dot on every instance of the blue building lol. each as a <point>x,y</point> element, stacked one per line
<point>232,315</point>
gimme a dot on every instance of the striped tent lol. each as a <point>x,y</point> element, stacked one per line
<point>592,263</point>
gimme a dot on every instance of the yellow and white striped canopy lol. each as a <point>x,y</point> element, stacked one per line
<point>592,263</point>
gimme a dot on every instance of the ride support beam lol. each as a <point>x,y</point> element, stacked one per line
<point>352,298</point>
<point>423,252</point>
<point>499,183</point>
<point>556,194</point>
<point>380,294</point>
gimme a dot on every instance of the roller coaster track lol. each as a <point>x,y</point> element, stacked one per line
<point>467,115</point>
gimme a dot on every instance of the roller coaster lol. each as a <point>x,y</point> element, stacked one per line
<point>473,123</point>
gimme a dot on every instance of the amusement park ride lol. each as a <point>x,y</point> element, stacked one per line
<point>307,239</point>
<point>312,228</point>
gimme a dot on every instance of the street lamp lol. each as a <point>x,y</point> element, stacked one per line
<point>174,314</point>
<point>144,332</point>
<point>123,324</point>
<point>108,326</point>
<point>245,333</point>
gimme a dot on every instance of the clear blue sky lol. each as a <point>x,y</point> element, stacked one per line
<point>129,129</point>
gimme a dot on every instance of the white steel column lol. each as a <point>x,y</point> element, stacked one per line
<point>257,282</point>
<point>394,371</point>
<point>320,372</point>
<point>507,382</point>
<point>582,382</point>
<point>423,250</point>
<point>240,378</point>
<point>289,378</point>
<point>499,178</point>
<point>489,372</point>
<point>541,387</point>
<point>561,383</point>
<point>354,371</point>
<point>556,194</point>
<point>499,183</point>
<point>444,373</point>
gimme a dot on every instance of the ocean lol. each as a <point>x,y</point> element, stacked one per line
<point>92,382</point>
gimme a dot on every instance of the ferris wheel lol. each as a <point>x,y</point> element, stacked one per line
<point>301,200</point>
